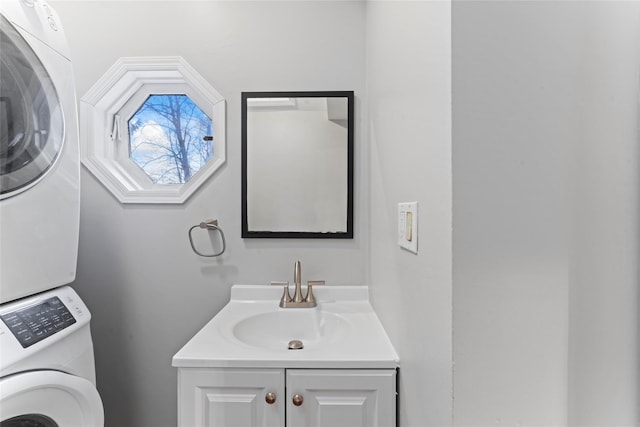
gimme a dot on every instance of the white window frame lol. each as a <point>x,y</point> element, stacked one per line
<point>106,108</point>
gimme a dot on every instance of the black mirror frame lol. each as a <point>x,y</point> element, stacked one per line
<point>246,233</point>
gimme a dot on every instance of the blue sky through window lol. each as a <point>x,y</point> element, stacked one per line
<point>168,138</point>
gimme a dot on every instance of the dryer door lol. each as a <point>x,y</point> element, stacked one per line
<point>31,121</point>
<point>49,399</point>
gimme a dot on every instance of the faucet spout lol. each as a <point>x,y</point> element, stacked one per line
<point>298,301</point>
<point>297,279</point>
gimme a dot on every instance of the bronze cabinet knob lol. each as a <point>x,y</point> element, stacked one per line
<point>270,398</point>
<point>297,400</point>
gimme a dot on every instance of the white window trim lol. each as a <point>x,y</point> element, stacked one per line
<point>99,106</point>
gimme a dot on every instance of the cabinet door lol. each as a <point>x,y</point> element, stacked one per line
<point>341,398</point>
<point>210,397</point>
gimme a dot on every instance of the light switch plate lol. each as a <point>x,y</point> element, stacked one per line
<point>408,226</point>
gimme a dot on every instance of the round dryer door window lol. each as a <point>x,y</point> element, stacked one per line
<point>31,121</point>
<point>49,399</point>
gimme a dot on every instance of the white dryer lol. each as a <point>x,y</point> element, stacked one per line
<point>39,159</point>
<point>47,371</point>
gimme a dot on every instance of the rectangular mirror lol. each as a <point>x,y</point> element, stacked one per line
<point>297,164</point>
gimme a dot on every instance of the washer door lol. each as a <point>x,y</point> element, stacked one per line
<point>31,121</point>
<point>49,399</point>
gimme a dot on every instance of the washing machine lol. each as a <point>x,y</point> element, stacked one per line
<point>47,370</point>
<point>39,152</point>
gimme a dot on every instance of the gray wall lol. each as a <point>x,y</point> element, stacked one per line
<point>409,124</point>
<point>545,198</point>
<point>545,143</point>
<point>147,291</point>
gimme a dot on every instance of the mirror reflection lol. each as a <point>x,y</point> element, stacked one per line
<point>297,164</point>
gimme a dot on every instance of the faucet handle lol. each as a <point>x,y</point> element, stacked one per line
<point>310,299</point>
<point>315,283</point>
<point>286,297</point>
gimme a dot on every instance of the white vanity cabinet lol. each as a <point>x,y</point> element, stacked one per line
<point>227,397</point>
<point>341,398</point>
<point>245,367</point>
<point>230,397</point>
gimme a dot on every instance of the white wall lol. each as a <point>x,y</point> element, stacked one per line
<point>545,98</point>
<point>604,294</point>
<point>147,291</point>
<point>545,179</point>
<point>510,215</point>
<point>409,125</point>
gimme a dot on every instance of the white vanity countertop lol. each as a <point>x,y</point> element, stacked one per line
<point>253,331</point>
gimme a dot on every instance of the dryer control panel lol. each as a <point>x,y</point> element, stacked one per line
<point>37,322</point>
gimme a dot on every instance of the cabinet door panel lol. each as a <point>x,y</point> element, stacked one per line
<point>342,398</point>
<point>230,398</point>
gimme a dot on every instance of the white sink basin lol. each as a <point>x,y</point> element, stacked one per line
<point>252,331</point>
<point>274,330</point>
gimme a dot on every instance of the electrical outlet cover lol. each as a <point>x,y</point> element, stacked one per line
<point>408,226</point>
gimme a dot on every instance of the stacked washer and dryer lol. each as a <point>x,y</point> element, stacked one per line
<point>47,368</point>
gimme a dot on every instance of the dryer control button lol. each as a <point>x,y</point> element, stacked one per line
<point>50,18</point>
<point>52,23</point>
<point>37,322</point>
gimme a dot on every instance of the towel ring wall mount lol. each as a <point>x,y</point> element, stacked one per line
<point>209,225</point>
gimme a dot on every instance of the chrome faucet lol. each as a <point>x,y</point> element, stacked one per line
<point>298,301</point>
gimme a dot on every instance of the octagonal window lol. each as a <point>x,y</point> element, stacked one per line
<point>170,138</point>
<point>152,130</point>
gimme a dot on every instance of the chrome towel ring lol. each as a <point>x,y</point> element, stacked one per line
<point>209,225</point>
